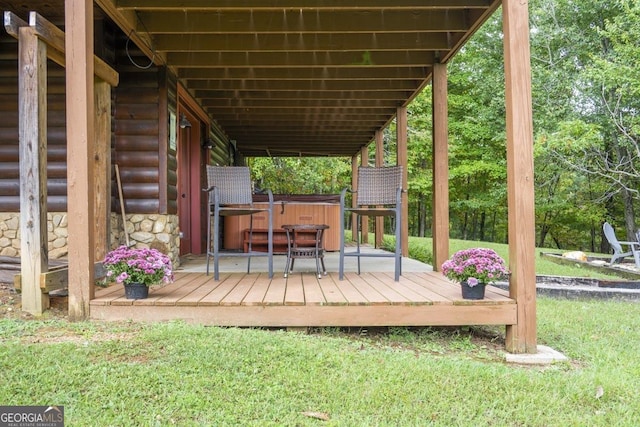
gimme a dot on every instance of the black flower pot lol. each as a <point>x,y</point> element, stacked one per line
<point>472,292</point>
<point>136,291</point>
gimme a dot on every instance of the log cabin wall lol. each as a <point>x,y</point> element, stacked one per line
<point>56,132</point>
<point>143,102</point>
<point>141,106</point>
<point>147,167</point>
<point>171,96</point>
<point>9,154</point>
<point>222,152</point>
<point>137,131</point>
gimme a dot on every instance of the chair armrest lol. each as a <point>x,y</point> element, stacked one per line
<point>343,194</point>
<point>269,197</point>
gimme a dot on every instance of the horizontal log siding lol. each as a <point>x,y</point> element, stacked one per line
<point>9,144</point>
<point>172,161</point>
<point>136,128</point>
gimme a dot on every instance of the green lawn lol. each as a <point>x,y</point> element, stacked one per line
<point>127,374</point>
<point>420,249</point>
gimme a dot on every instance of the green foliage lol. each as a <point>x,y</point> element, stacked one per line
<point>585,84</point>
<point>301,175</point>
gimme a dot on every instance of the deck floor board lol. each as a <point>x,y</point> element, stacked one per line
<point>302,299</point>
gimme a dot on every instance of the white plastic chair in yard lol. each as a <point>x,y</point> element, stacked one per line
<point>617,246</point>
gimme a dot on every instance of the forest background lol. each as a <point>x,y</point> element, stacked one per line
<point>586,111</point>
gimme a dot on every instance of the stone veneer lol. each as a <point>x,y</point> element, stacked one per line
<point>161,232</point>
<point>145,230</point>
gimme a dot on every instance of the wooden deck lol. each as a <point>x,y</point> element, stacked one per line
<point>369,299</point>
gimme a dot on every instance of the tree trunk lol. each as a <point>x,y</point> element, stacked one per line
<point>629,217</point>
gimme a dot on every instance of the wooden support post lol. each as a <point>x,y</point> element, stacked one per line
<point>520,338</point>
<point>364,224</point>
<point>403,160</point>
<point>80,154</point>
<point>32,107</point>
<point>102,168</point>
<point>379,140</point>
<point>440,167</point>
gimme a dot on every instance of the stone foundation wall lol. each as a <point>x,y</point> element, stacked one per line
<point>161,232</point>
<point>56,234</point>
<point>150,230</point>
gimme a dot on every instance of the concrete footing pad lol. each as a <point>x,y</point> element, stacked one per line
<point>544,356</point>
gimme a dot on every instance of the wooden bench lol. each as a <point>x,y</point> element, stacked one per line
<point>260,241</point>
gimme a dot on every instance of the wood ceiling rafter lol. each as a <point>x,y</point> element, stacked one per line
<point>199,5</point>
<point>303,77</point>
<point>305,73</point>
<point>306,22</point>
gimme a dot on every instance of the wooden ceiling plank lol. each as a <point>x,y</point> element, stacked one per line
<point>293,95</point>
<point>127,21</point>
<point>305,73</point>
<point>302,42</point>
<point>312,104</point>
<point>203,5</point>
<point>306,85</point>
<point>265,22</point>
<point>301,59</point>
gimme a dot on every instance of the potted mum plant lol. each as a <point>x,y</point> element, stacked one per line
<point>474,268</point>
<point>137,269</point>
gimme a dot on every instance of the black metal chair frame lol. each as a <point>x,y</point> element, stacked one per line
<point>230,194</point>
<point>379,193</point>
<point>296,250</point>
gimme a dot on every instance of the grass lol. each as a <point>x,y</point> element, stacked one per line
<point>420,249</point>
<point>129,374</point>
<point>172,373</point>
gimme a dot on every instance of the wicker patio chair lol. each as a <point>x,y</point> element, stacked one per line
<point>230,194</point>
<point>379,193</point>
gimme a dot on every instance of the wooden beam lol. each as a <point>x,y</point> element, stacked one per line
<point>299,59</point>
<point>102,169</point>
<point>520,338</point>
<point>57,278</point>
<point>440,161</point>
<point>80,177</point>
<point>301,21</point>
<point>54,38</point>
<point>128,21</point>
<point>309,73</point>
<point>12,23</point>
<point>318,42</point>
<point>403,160</point>
<point>314,5</point>
<point>32,113</point>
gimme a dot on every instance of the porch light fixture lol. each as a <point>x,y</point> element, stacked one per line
<point>207,143</point>
<point>184,123</point>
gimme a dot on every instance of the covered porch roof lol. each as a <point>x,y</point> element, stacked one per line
<point>312,77</point>
<point>295,77</point>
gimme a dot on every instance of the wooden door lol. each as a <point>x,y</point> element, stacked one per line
<point>189,157</point>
